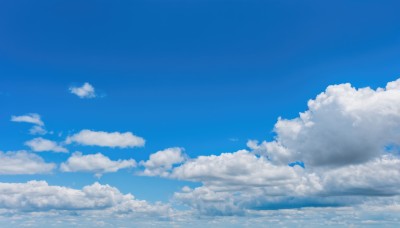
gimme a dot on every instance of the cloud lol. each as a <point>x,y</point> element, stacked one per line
<point>37,130</point>
<point>85,91</point>
<point>348,141</point>
<point>38,196</point>
<point>105,139</point>
<point>95,163</point>
<point>32,118</point>
<point>22,162</point>
<point>41,144</point>
<point>342,126</point>
<point>161,162</point>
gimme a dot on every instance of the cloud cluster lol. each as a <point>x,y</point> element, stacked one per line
<point>39,196</point>
<point>94,163</point>
<point>106,139</point>
<point>85,91</point>
<point>41,144</point>
<point>348,141</point>
<point>22,162</point>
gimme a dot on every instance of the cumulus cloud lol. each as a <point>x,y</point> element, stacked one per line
<point>342,126</point>
<point>85,91</point>
<point>22,162</point>
<point>106,139</point>
<point>161,162</point>
<point>41,144</point>
<point>38,196</point>
<point>348,140</point>
<point>95,163</point>
<point>31,118</point>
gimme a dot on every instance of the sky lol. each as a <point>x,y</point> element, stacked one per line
<point>193,113</point>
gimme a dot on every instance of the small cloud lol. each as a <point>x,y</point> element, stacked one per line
<point>41,144</point>
<point>22,162</point>
<point>32,118</point>
<point>106,139</point>
<point>37,130</point>
<point>85,91</point>
<point>96,163</point>
<point>233,139</point>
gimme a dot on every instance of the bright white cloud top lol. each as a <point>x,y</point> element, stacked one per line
<point>41,144</point>
<point>106,139</point>
<point>94,163</point>
<point>85,91</point>
<point>22,162</point>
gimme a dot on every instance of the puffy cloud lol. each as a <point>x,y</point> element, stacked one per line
<point>342,126</point>
<point>39,196</point>
<point>85,91</point>
<point>21,162</point>
<point>161,162</point>
<point>41,144</point>
<point>106,139</point>
<point>348,140</point>
<point>32,118</point>
<point>96,163</point>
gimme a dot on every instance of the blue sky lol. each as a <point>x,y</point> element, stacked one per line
<point>203,78</point>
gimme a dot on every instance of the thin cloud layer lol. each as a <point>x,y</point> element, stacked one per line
<point>85,91</point>
<point>94,163</point>
<point>41,144</point>
<point>106,139</point>
<point>22,162</point>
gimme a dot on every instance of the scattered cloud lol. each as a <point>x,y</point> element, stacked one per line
<point>41,144</point>
<point>32,118</point>
<point>85,91</point>
<point>106,139</point>
<point>22,162</point>
<point>161,162</point>
<point>95,163</point>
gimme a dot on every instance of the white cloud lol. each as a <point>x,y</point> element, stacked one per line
<point>348,141</point>
<point>38,196</point>
<point>106,139</point>
<point>161,162</point>
<point>21,162</point>
<point>343,125</point>
<point>32,118</point>
<point>41,144</point>
<point>85,91</point>
<point>95,163</point>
